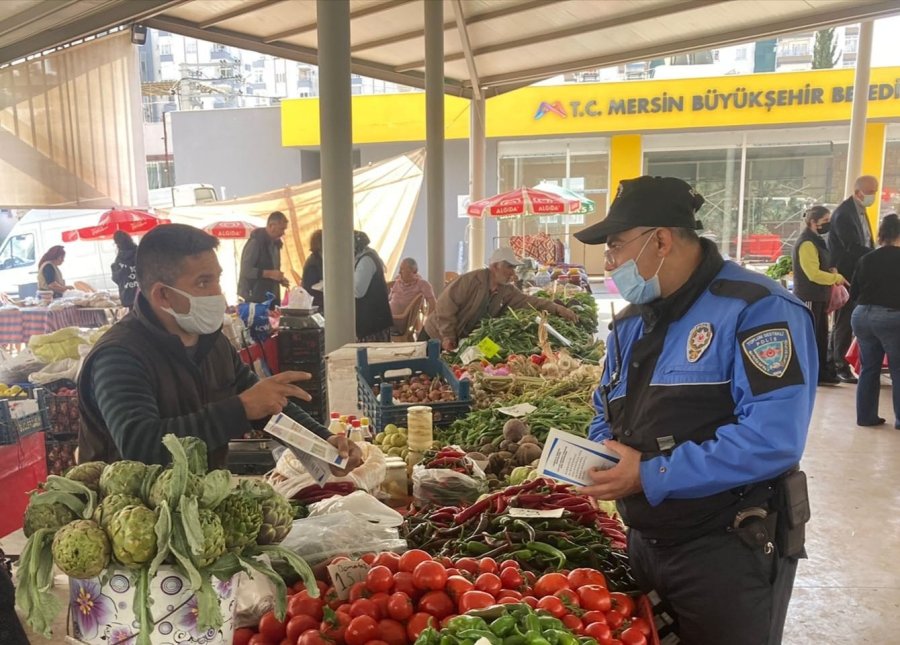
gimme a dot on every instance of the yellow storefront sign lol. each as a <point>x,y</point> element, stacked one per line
<point>779,99</point>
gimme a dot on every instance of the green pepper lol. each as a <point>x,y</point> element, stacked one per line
<point>429,636</point>
<point>515,639</point>
<point>476,548</point>
<point>461,623</point>
<point>447,640</point>
<point>535,638</point>
<point>546,549</point>
<point>504,626</point>
<point>566,638</point>
<point>476,634</point>
<point>550,622</point>
<point>532,624</point>
<point>558,636</point>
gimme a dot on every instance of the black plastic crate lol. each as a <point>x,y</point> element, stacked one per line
<point>382,411</point>
<point>316,370</point>
<point>60,455</point>
<point>63,415</point>
<point>301,346</point>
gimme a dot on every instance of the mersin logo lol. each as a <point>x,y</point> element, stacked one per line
<point>556,108</point>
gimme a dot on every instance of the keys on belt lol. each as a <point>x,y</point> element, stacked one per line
<point>755,527</point>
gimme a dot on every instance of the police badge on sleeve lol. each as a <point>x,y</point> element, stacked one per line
<point>769,358</point>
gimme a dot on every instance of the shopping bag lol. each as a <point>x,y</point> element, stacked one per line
<point>839,297</point>
<point>256,318</point>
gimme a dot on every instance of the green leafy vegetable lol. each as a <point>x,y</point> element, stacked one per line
<point>33,593</point>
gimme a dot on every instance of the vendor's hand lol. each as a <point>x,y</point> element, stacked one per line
<point>347,449</point>
<point>272,274</point>
<point>620,481</point>
<point>270,395</point>
<point>568,314</point>
<point>449,344</point>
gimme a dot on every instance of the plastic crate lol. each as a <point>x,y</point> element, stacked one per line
<point>301,346</point>
<point>382,410</point>
<point>60,455</point>
<point>20,418</point>
<point>63,415</point>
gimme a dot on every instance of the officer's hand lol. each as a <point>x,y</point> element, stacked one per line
<point>622,480</point>
<point>269,396</point>
<point>568,314</point>
<point>346,449</point>
<point>449,344</point>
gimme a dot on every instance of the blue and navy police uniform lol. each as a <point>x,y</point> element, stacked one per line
<point>715,386</point>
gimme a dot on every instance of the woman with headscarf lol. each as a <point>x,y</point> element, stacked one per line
<point>124,268</point>
<point>313,270</point>
<point>373,309</point>
<point>49,276</point>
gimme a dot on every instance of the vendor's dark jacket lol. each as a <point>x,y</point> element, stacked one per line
<point>261,253</point>
<point>140,383</point>
<point>124,274</point>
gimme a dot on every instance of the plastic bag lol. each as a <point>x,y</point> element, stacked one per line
<point>17,368</point>
<point>360,504</point>
<point>254,597</point>
<point>318,539</point>
<point>445,487</point>
<point>839,297</point>
<point>290,476</point>
<point>299,298</point>
<point>256,318</point>
<point>66,368</point>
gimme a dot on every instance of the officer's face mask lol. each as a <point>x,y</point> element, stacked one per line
<point>205,315</point>
<point>632,285</point>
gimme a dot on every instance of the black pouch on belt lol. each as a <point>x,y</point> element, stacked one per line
<point>792,503</point>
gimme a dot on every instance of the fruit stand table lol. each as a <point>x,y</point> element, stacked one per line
<point>17,325</point>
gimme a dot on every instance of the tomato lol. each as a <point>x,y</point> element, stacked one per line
<point>451,571</point>
<point>377,642</point>
<point>381,601</point>
<point>301,604</point>
<point>379,579</point>
<point>622,603</point>
<point>340,558</point>
<point>511,578</point>
<point>530,578</point>
<point>365,607</point>
<point>591,617</point>
<point>312,637</point>
<point>242,636</point>
<point>467,564</point>
<point>359,590</point>
<point>400,606</point>
<point>299,624</point>
<point>321,586</point>
<point>509,593</point>
<point>509,564</point>
<point>582,577</point>
<point>418,624</point>
<point>508,600</point>
<point>445,561</point>
<point>614,619</point>
<point>259,639</point>
<point>392,632</point>
<point>271,627</point>
<point>642,625</point>
<point>489,583</point>
<point>474,600</point>
<point>361,630</point>
<point>549,583</point>
<point>331,599</point>
<point>569,598</point>
<point>613,641</point>
<point>633,636</point>
<point>288,641</point>
<point>387,559</point>
<point>457,585</point>
<point>488,565</point>
<point>553,605</point>
<point>574,623</point>
<point>595,598</point>
<point>599,631</point>
<point>411,559</point>
<point>335,625</point>
<point>403,582</point>
<point>531,601</point>
<point>430,576</point>
<point>368,558</point>
<point>437,603</point>
<point>344,608</point>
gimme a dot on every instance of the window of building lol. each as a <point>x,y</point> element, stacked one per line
<point>190,46</point>
<point>740,53</point>
<point>165,49</point>
<point>851,44</point>
<point>18,251</point>
<point>280,77</point>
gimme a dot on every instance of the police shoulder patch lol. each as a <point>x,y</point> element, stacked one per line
<point>769,358</point>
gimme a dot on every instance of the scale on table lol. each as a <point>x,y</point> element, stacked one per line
<point>301,318</point>
<point>251,456</point>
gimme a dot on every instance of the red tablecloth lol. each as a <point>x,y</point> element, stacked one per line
<point>22,467</point>
<point>18,325</point>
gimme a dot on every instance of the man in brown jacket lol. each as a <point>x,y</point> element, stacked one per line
<point>483,293</point>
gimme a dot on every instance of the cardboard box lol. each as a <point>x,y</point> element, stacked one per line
<point>101,610</point>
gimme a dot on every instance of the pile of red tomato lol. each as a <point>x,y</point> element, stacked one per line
<point>402,595</point>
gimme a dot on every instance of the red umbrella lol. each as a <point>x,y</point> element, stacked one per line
<point>230,230</point>
<point>133,222</point>
<point>523,201</point>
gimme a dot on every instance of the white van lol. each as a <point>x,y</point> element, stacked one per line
<point>182,195</point>
<point>86,261</point>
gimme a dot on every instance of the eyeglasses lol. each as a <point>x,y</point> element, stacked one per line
<point>611,249</point>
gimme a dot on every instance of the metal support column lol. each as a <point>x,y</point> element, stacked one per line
<point>742,191</point>
<point>337,171</point>
<point>860,106</point>
<point>477,153</point>
<point>728,206</point>
<point>434,140</point>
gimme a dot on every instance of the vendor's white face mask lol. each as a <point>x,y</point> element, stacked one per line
<point>205,315</point>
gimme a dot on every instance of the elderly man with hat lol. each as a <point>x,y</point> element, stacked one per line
<point>706,397</point>
<point>479,294</point>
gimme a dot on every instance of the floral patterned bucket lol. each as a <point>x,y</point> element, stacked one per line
<point>101,609</point>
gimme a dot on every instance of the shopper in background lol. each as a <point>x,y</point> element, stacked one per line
<point>408,286</point>
<point>876,322</point>
<point>849,239</point>
<point>50,278</point>
<point>814,275</point>
<point>261,261</point>
<point>706,396</point>
<point>483,293</point>
<point>124,268</point>
<point>314,271</point>
<point>373,310</point>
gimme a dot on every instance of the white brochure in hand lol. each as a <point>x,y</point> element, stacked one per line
<point>568,458</point>
<point>300,438</point>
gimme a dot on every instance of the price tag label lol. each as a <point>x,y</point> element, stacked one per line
<point>517,411</point>
<point>346,574</point>
<point>553,513</point>
<point>489,348</point>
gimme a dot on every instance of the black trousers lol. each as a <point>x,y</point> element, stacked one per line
<point>841,336</point>
<point>820,324</point>
<point>11,632</point>
<point>717,588</point>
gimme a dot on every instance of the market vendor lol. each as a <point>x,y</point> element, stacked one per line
<point>483,293</point>
<point>261,261</point>
<point>50,278</point>
<point>167,368</point>
<point>707,392</point>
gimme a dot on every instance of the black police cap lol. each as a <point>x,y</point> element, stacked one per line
<point>647,201</point>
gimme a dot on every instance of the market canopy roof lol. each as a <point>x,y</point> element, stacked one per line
<point>497,45</point>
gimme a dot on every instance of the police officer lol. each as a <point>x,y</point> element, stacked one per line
<point>707,395</point>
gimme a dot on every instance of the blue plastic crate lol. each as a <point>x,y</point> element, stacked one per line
<point>382,411</point>
<point>21,417</point>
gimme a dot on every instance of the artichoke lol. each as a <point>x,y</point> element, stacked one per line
<point>161,489</point>
<point>213,538</point>
<point>278,517</point>
<point>132,532</point>
<point>112,505</point>
<point>81,549</point>
<point>88,474</point>
<point>47,516</point>
<point>123,477</point>
<point>241,517</point>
